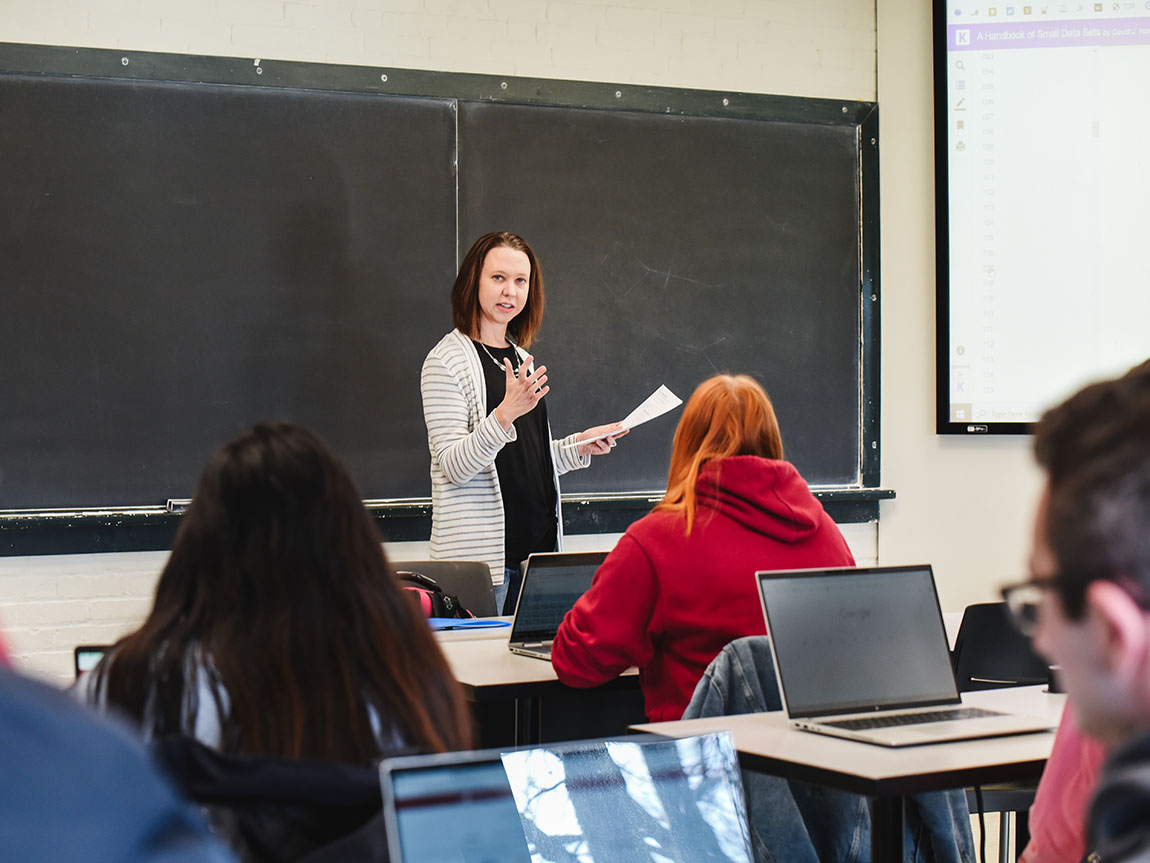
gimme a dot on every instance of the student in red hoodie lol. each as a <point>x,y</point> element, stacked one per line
<point>680,583</point>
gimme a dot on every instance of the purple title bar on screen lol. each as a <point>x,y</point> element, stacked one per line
<point>1048,34</point>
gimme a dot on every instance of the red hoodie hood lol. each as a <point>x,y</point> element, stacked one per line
<point>762,494</point>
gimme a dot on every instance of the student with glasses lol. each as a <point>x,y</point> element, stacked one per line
<point>1086,608</point>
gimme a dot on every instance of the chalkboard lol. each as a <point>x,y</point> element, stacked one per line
<point>187,249</point>
<point>182,261</point>
<point>674,248</point>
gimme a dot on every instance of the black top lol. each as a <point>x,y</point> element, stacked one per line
<point>526,476</point>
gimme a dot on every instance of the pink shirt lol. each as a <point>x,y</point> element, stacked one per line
<point>1058,815</point>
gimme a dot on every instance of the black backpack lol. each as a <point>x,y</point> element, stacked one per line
<point>430,596</point>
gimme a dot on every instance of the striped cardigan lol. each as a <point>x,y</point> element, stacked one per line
<point>464,438</point>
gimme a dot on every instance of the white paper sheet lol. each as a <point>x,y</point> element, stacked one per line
<point>655,405</point>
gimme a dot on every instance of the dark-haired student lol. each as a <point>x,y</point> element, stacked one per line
<point>278,627</point>
<point>494,464</point>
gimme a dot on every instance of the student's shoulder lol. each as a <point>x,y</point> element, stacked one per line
<point>656,530</point>
<point>40,721</point>
<point>78,778</point>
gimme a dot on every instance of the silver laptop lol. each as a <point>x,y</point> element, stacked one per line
<point>552,583</point>
<point>862,654</point>
<point>683,798</point>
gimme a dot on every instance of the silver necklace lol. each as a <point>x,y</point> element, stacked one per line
<point>498,364</point>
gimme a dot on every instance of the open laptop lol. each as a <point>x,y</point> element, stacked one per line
<point>682,797</point>
<point>552,583</point>
<point>85,657</point>
<point>450,807</point>
<point>862,654</point>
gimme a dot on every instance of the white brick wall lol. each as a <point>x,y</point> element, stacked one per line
<point>823,48</point>
<point>792,47</point>
<point>50,604</point>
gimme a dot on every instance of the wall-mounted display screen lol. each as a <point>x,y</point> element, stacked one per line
<point>1043,204</point>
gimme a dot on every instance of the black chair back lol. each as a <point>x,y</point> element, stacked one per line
<point>470,580</point>
<point>989,653</point>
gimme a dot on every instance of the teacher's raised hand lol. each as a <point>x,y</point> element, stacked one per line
<point>599,439</point>
<point>524,390</point>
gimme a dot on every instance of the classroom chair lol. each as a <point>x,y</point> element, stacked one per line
<point>990,653</point>
<point>470,580</point>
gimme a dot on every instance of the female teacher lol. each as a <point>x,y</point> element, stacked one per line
<point>495,471</point>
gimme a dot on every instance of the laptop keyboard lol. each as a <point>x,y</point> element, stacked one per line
<point>892,720</point>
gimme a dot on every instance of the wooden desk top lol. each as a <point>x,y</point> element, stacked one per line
<point>485,663</point>
<point>486,668</point>
<point>765,742</point>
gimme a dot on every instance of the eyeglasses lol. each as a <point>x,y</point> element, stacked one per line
<point>1024,599</point>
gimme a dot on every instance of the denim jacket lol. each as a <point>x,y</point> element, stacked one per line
<point>793,821</point>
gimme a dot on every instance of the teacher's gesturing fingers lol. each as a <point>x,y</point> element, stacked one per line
<point>525,388</point>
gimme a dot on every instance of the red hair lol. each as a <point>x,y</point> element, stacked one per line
<point>726,415</point>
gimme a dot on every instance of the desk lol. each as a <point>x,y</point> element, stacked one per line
<point>490,673</point>
<point>888,776</point>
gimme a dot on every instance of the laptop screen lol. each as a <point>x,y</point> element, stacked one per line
<point>605,801</point>
<point>674,801</point>
<point>857,639</point>
<point>552,583</point>
<point>85,657</point>
<point>445,812</point>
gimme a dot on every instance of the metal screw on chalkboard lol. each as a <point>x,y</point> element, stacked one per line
<point>845,110</point>
<point>873,141</point>
<point>383,78</point>
<point>726,101</point>
<point>123,61</point>
<point>502,85</point>
<point>618,94</point>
